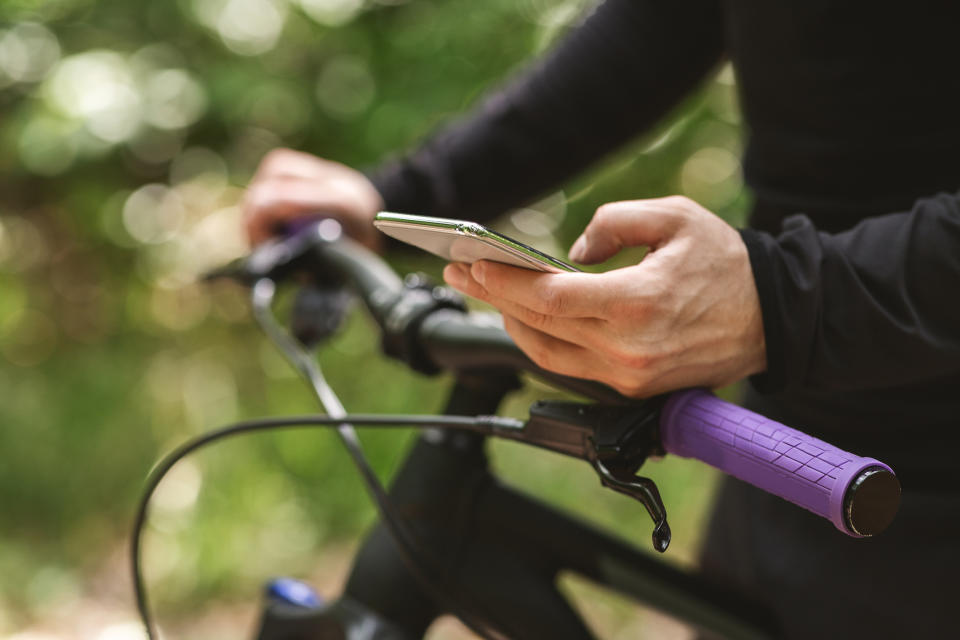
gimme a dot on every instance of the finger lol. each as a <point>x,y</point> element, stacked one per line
<point>271,203</point>
<point>630,224</point>
<point>580,331</point>
<point>570,295</point>
<point>568,359</point>
<point>457,275</point>
<point>554,354</point>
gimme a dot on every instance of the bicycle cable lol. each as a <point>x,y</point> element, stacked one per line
<point>344,423</point>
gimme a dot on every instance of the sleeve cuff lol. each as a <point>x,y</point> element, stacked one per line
<point>759,246</point>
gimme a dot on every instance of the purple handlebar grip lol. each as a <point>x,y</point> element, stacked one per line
<point>800,468</point>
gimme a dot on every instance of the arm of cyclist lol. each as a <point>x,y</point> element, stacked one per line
<point>866,308</point>
<point>612,77</point>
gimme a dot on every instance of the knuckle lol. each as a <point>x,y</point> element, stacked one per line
<point>552,301</point>
<point>536,319</point>
<point>684,208</point>
<point>607,213</point>
<point>679,202</point>
<point>602,213</point>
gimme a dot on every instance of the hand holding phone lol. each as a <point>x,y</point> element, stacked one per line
<point>464,241</point>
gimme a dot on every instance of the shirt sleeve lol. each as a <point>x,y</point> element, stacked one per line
<point>869,308</point>
<point>612,77</point>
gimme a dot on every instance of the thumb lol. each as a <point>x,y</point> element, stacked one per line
<point>631,223</point>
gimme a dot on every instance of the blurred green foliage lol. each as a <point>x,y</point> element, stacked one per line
<point>127,130</point>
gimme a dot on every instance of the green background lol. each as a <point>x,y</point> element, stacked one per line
<point>127,132</point>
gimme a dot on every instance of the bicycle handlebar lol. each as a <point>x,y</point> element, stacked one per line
<point>858,495</point>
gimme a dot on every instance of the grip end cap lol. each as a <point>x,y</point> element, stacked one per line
<point>872,501</point>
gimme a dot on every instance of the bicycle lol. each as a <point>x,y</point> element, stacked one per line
<point>465,544</point>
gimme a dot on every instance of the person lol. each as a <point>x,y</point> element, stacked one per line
<point>840,303</point>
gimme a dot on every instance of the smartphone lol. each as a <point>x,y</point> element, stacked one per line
<point>464,241</point>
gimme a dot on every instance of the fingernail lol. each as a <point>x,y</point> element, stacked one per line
<point>479,271</point>
<point>579,249</point>
<point>455,275</point>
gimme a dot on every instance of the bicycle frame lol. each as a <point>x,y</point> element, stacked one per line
<point>451,538</point>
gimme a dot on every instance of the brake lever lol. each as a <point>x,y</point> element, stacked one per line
<point>626,481</point>
<point>615,439</point>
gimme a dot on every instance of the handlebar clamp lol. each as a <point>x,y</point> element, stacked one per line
<point>421,297</point>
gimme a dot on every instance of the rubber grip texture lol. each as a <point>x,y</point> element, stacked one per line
<point>800,468</point>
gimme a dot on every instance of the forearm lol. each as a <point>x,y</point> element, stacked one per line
<point>612,77</point>
<point>875,306</point>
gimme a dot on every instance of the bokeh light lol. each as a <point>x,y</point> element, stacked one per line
<point>174,100</point>
<point>22,245</point>
<point>345,87</point>
<point>278,108</point>
<point>114,99</point>
<point>98,88</point>
<point>177,494</point>
<point>712,177</point>
<point>153,213</point>
<point>156,146</point>
<point>209,391</point>
<point>332,13</point>
<point>27,51</point>
<point>31,340</point>
<point>13,304</point>
<point>48,145</point>
<point>246,27</point>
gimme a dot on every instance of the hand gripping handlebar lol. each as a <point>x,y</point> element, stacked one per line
<point>860,496</point>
